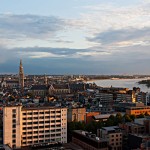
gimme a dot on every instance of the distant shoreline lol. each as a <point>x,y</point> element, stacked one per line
<point>115,79</point>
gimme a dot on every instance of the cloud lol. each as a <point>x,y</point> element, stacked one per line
<point>29,26</point>
<point>123,37</point>
<point>111,25</point>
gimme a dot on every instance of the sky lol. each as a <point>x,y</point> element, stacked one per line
<point>75,36</point>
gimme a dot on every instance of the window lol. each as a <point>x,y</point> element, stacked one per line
<point>35,117</point>
<point>47,121</point>
<point>14,141</point>
<point>13,121</point>
<point>29,137</point>
<point>58,120</point>
<point>29,113</point>
<point>35,132</point>
<point>14,111</point>
<point>35,127</point>
<point>29,123</point>
<point>41,117</point>
<point>35,113</point>
<point>58,111</point>
<point>14,131</point>
<point>13,126</point>
<point>29,118</point>
<point>52,130</point>
<point>14,116</point>
<point>14,136</point>
<point>47,117</point>
<point>41,112</point>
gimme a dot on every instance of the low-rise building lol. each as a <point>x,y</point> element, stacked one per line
<point>138,110</point>
<point>89,141</point>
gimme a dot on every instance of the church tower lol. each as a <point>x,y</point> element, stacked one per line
<point>21,76</point>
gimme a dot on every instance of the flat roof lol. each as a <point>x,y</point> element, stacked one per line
<point>94,139</point>
<point>111,128</point>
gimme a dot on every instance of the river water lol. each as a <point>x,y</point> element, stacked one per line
<point>125,83</point>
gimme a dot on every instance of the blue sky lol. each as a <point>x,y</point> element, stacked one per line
<point>75,36</point>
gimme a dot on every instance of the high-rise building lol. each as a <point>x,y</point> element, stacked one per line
<point>27,126</point>
<point>21,76</point>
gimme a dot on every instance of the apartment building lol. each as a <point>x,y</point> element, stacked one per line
<point>27,126</point>
<point>113,134</point>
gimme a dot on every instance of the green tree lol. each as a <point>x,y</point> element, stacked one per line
<point>127,118</point>
<point>146,114</point>
<point>132,117</point>
<point>141,116</point>
<point>118,118</point>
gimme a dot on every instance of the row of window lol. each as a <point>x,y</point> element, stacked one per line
<point>43,131</point>
<point>41,136</point>
<point>41,141</point>
<point>41,127</point>
<point>40,117</point>
<point>116,135</point>
<point>36,113</point>
<point>41,122</point>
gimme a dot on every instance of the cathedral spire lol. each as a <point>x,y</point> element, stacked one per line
<point>21,76</point>
<point>20,62</point>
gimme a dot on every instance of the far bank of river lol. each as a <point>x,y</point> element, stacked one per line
<point>126,83</point>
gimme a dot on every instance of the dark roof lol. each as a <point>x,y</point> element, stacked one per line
<point>12,81</point>
<point>39,87</point>
<point>61,86</point>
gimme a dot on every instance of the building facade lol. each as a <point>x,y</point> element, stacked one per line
<point>76,114</point>
<point>113,134</point>
<point>34,125</point>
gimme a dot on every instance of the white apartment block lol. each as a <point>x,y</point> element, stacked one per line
<point>26,126</point>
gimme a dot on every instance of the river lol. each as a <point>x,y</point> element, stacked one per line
<point>126,83</point>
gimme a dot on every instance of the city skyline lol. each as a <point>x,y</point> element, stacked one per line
<point>75,37</point>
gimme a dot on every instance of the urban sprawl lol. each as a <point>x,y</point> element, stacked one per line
<point>66,112</point>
